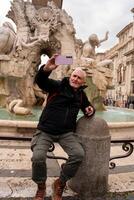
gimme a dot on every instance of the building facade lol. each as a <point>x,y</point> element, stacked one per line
<point>122,56</point>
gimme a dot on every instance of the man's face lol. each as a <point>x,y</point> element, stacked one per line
<point>77,78</point>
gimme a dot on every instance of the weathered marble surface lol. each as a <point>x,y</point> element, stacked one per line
<point>43,30</point>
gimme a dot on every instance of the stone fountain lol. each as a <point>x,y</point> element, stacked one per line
<point>43,28</point>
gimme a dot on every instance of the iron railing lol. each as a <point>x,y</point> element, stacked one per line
<point>127,146</point>
<point>51,149</point>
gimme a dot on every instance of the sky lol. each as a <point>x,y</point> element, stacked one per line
<point>93,16</point>
<point>99,16</point>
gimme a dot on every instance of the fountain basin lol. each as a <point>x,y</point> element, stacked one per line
<point>120,122</point>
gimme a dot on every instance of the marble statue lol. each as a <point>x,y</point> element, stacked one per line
<point>16,106</point>
<point>42,29</point>
<point>90,45</point>
<point>100,71</point>
<point>7,38</point>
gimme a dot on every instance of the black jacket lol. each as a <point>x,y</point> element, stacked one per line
<point>60,113</point>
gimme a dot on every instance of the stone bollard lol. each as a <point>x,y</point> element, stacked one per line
<point>91,180</point>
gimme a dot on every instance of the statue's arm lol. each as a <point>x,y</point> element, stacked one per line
<point>105,38</point>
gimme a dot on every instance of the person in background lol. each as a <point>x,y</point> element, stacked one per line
<point>57,123</point>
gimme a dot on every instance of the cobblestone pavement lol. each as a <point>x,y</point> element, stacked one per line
<point>15,174</point>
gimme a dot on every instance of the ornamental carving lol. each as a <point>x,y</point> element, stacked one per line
<point>41,29</point>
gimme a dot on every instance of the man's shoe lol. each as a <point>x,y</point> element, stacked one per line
<point>58,188</point>
<point>41,192</point>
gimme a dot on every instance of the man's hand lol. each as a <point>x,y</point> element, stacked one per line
<point>50,65</point>
<point>89,111</point>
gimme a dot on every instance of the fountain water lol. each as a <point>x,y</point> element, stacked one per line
<point>120,122</point>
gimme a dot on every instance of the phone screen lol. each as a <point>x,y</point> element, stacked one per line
<point>63,60</point>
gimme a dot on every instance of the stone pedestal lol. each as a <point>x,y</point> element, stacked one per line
<point>91,179</point>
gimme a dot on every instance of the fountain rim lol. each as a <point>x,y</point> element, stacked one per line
<point>33,124</point>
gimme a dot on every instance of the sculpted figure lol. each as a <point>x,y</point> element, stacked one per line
<point>41,23</point>
<point>7,38</point>
<point>89,54</point>
<point>99,80</point>
<point>16,106</point>
<point>90,45</point>
<point>78,47</point>
<point>105,63</point>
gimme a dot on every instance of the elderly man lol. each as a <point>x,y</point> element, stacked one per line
<point>57,124</point>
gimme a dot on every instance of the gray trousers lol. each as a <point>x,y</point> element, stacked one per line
<point>40,144</point>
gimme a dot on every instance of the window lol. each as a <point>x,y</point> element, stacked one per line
<point>132,72</point>
<point>132,87</point>
<point>121,74</point>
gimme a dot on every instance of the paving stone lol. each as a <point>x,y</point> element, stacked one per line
<point>15,174</point>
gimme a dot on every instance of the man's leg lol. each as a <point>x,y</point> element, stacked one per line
<point>40,145</point>
<point>71,145</point>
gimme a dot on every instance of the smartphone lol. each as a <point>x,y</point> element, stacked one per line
<point>63,60</point>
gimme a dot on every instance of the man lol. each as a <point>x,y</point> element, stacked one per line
<point>57,124</point>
